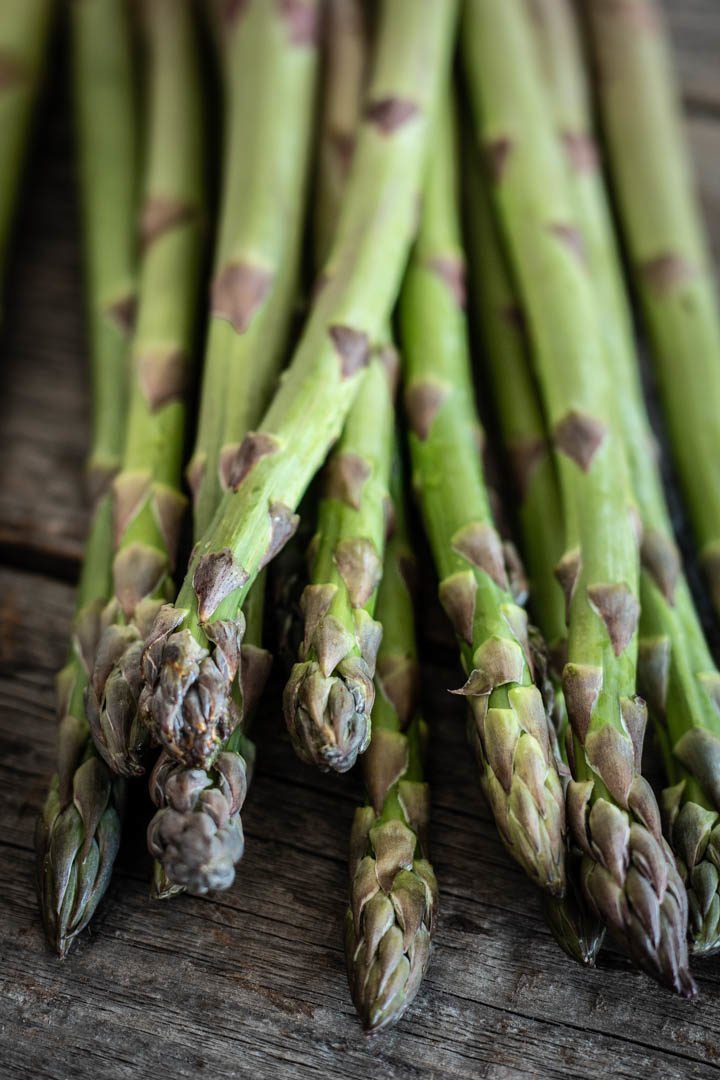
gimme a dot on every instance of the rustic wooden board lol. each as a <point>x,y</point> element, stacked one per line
<point>254,979</point>
<point>696,32</point>
<point>252,982</point>
<point>44,420</point>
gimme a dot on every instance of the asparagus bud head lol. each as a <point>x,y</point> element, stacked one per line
<point>111,701</point>
<point>694,835</point>
<point>78,832</point>
<point>188,702</point>
<point>393,902</point>
<point>197,833</point>
<point>329,697</point>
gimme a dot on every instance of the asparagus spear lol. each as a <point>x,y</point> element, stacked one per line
<point>24,34</point>
<point>148,505</point>
<point>508,726</point>
<point>78,833</point>
<point>329,696</point>
<point>676,672</point>
<point>106,150</point>
<point>186,687</point>
<point>269,83</point>
<point>629,874</point>
<point>668,257</point>
<point>346,60</point>
<point>393,891</point>
<point>196,835</point>
<point>537,495</point>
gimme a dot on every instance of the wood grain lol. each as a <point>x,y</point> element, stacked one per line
<point>44,427</point>
<point>253,980</point>
<point>251,983</point>
<point>695,29</point>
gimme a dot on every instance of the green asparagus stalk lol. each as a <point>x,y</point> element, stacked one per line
<point>186,686</point>
<point>269,83</point>
<point>345,56</point>
<point>629,874</point>
<point>24,35</point>
<point>393,891</point>
<point>508,727</point>
<point>537,496</point>
<point>78,833</point>
<point>107,153</point>
<point>329,696</point>
<point>344,64</point>
<point>668,258</point>
<point>676,672</point>
<point>147,502</point>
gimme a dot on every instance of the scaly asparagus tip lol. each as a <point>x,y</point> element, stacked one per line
<point>197,835</point>
<point>390,920</point>
<point>328,718</point>
<point>187,697</point>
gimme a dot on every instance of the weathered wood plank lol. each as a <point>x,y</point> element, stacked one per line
<point>703,135</point>
<point>44,428</point>
<point>252,981</point>
<point>695,30</point>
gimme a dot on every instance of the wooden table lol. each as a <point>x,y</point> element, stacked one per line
<point>252,982</point>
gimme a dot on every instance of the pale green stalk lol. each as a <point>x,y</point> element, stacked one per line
<point>393,890</point>
<point>667,249</point>
<point>269,81</point>
<point>522,425</point>
<point>147,501</point>
<point>508,726</point>
<point>78,833</point>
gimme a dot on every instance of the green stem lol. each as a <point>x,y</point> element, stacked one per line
<point>269,82</point>
<point>107,155</point>
<point>389,868</point>
<point>148,504</point>
<point>529,453</point>
<point>345,57</point>
<point>508,725</point>
<point>668,258</point>
<point>329,696</point>
<point>78,833</point>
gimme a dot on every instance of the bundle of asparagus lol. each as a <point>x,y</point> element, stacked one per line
<point>628,872</point>
<point>555,718</point>
<point>676,672</point>
<point>187,689</point>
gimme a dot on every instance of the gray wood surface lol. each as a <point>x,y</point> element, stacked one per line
<point>251,982</point>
